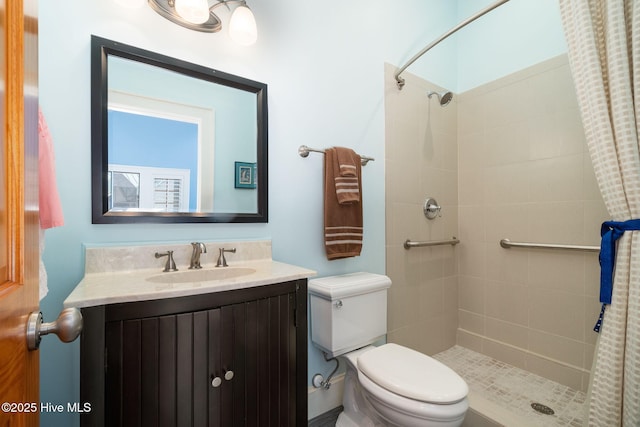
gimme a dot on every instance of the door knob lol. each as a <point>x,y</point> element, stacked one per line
<point>67,327</point>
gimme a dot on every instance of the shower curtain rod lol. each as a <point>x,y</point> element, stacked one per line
<point>400,80</point>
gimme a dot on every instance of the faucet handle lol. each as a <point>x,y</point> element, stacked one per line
<point>222,261</point>
<point>170,265</point>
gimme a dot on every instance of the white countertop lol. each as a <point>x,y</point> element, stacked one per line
<point>117,287</point>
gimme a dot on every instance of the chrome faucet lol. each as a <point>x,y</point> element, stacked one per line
<point>170,264</point>
<point>222,261</point>
<point>198,249</point>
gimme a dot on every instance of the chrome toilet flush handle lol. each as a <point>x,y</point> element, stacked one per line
<point>338,303</point>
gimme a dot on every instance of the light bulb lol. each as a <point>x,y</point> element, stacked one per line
<point>194,11</point>
<point>242,26</point>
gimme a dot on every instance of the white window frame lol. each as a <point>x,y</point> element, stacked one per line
<point>204,118</point>
<point>147,179</point>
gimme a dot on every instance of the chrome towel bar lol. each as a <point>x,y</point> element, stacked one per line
<point>408,244</point>
<point>304,151</point>
<point>506,243</point>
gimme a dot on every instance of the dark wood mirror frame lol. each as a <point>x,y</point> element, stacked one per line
<point>102,48</point>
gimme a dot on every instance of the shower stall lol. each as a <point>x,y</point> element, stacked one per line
<point>505,160</point>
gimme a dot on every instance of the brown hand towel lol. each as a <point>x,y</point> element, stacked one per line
<point>342,222</point>
<point>346,177</point>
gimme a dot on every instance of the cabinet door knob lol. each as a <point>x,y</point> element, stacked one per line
<point>216,382</point>
<point>228,375</point>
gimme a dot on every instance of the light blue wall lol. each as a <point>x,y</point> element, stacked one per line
<point>324,67</point>
<point>514,36</point>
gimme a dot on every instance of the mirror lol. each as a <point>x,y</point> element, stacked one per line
<point>173,141</point>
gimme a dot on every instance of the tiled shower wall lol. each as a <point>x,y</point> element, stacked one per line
<point>522,171</point>
<point>421,161</point>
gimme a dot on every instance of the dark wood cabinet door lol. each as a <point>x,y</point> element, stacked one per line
<point>157,371</point>
<point>271,363</point>
<point>161,370</point>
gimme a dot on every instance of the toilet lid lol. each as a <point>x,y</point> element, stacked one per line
<point>412,374</point>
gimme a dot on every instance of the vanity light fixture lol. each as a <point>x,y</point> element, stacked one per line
<point>198,15</point>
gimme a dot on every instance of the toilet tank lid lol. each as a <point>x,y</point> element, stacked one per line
<point>346,285</point>
<point>412,374</point>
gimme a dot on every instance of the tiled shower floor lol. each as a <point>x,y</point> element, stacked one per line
<point>514,389</point>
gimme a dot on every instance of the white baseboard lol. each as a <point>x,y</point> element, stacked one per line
<point>321,400</point>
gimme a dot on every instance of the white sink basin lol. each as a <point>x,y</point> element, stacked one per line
<point>201,275</point>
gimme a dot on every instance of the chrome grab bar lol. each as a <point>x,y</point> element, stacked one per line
<point>408,244</point>
<point>506,243</point>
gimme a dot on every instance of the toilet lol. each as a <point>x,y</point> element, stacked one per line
<point>388,385</point>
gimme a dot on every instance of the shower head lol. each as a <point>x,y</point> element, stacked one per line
<point>443,97</point>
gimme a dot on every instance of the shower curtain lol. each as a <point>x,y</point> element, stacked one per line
<point>603,38</point>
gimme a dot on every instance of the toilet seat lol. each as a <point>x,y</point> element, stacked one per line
<point>413,375</point>
<point>403,411</point>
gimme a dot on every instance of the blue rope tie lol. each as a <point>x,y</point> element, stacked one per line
<point>610,231</point>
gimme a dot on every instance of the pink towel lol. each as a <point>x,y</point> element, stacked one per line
<point>50,208</point>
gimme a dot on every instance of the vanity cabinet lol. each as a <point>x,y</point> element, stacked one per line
<point>232,358</point>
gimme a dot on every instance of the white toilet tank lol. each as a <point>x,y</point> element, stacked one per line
<point>348,311</point>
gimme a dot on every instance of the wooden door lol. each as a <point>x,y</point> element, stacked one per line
<point>19,383</point>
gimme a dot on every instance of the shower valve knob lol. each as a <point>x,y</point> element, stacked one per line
<point>431,208</point>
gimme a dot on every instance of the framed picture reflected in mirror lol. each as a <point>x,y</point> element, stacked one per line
<point>245,175</point>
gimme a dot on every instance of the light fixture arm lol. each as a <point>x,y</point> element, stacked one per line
<point>226,3</point>
<point>166,8</point>
<point>242,19</point>
<point>222,2</point>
